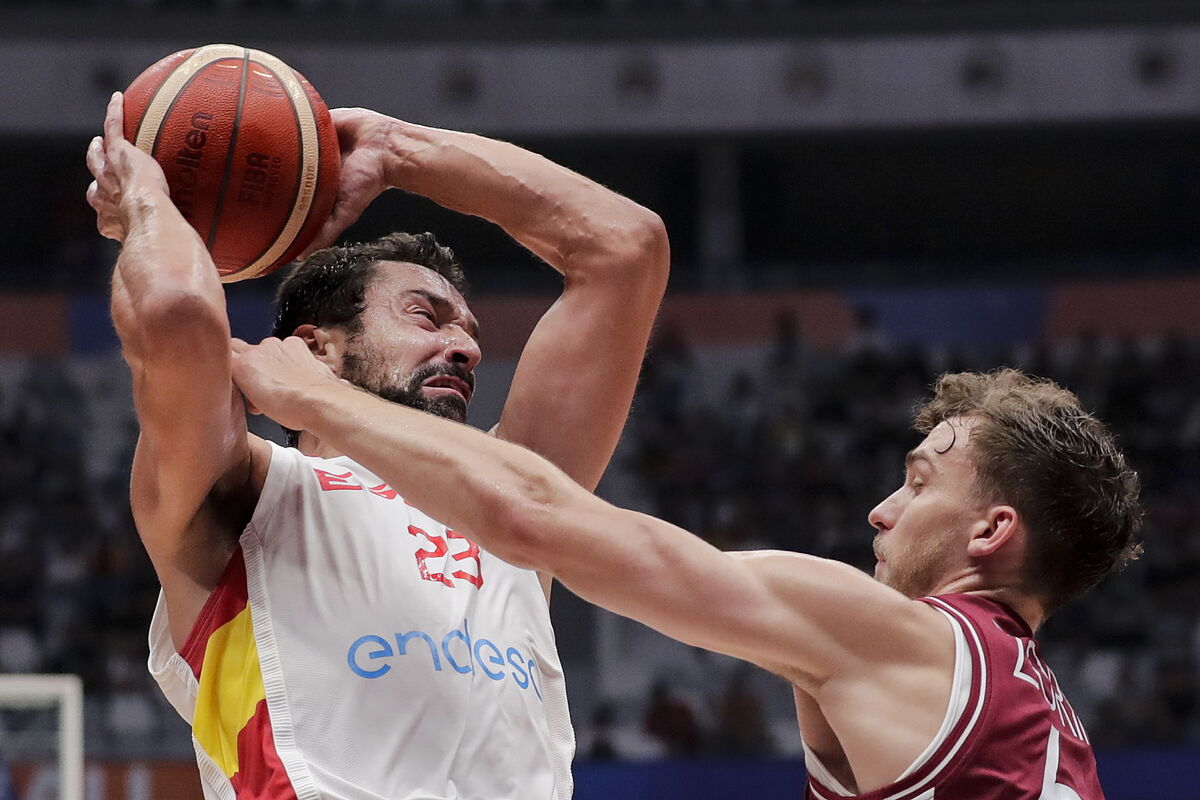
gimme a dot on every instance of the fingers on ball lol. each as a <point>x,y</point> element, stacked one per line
<point>114,118</point>
<point>95,156</point>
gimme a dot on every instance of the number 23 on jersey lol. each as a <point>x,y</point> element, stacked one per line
<point>464,558</point>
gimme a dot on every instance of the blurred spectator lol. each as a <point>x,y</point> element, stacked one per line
<point>602,747</point>
<point>7,790</point>
<point>671,721</point>
<point>741,722</point>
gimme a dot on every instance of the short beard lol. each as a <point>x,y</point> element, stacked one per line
<point>920,570</point>
<point>366,372</point>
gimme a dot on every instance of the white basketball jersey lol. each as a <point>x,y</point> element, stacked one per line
<point>357,649</point>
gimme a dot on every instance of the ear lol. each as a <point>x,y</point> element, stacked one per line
<point>327,345</point>
<point>999,528</point>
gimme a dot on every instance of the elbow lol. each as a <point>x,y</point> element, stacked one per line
<point>175,323</point>
<point>631,252</point>
<point>647,233</point>
<point>644,249</point>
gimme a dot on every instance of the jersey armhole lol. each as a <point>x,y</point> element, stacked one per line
<point>170,671</point>
<point>921,771</point>
<point>161,649</point>
<point>960,695</point>
<point>279,470</point>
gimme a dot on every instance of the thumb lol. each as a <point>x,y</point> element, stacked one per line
<point>250,407</point>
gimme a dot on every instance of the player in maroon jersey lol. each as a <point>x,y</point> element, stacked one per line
<point>923,683</point>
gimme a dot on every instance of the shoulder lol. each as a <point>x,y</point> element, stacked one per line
<point>860,622</point>
<point>790,572</point>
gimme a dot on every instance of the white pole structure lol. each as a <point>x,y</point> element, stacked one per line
<point>65,692</point>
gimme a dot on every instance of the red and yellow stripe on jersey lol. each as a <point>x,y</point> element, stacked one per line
<point>231,723</point>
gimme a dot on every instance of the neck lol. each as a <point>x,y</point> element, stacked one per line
<point>1022,605</point>
<point>1009,593</point>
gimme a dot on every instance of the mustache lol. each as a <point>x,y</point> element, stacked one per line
<point>427,371</point>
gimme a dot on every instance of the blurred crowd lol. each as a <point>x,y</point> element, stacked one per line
<point>774,445</point>
<point>76,587</point>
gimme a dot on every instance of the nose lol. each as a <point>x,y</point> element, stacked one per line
<point>883,516</point>
<point>462,349</point>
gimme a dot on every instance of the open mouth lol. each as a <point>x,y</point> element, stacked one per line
<point>448,384</point>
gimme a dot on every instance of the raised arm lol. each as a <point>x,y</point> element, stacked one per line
<point>575,380</point>
<point>169,312</point>
<point>808,618</point>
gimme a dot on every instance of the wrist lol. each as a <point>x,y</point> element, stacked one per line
<point>142,202</point>
<point>404,146</point>
<point>317,405</point>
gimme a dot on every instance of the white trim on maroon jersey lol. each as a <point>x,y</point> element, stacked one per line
<point>969,627</point>
<point>825,787</point>
<point>960,695</point>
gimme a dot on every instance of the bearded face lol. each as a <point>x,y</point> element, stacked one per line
<point>415,342</point>
<point>915,567</point>
<point>442,389</point>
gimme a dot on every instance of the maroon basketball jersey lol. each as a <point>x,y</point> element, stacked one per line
<point>1010,734</point>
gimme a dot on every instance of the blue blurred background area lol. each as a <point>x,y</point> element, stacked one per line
<point>860,195</point>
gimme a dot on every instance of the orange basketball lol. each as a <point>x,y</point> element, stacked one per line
<point>248,148</point>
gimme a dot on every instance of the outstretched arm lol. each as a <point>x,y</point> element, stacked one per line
<point>169,311</point>
<point>805,617</point>
<point>575,380</point>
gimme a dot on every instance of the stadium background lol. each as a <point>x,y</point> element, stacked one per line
<point>859,195</point>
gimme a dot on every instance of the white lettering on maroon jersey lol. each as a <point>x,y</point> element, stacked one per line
<point>1031,669</point>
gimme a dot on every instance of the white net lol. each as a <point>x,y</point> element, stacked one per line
<point>41,737</point>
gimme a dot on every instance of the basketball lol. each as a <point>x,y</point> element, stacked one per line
<point>249,151</point>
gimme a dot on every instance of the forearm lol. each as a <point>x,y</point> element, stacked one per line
<point>460,476</point>
<point>162,252</point>
<point>164,277</point>
<point>519,507</point>
<point>513,503</point>
<point>574,224</point>
<point>164,280</point>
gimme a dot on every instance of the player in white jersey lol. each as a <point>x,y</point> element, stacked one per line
<point>324,637</point>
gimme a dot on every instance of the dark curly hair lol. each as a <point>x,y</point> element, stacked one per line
<point>329,287</point>
<point>1036,449</point>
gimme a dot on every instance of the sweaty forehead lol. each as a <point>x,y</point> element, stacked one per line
<point>395,277</point>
